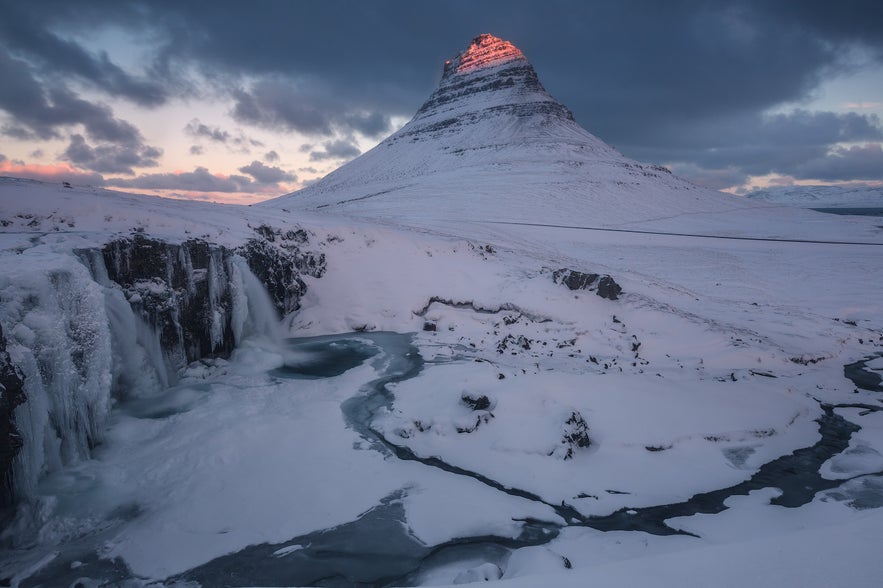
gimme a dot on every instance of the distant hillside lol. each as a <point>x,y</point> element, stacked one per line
<point>822,196</point>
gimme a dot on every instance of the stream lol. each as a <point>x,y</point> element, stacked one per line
<point>351,555</point>
<point>377,548</point>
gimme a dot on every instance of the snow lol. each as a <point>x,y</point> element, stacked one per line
<point>718,357</point>
<point>244,458</point>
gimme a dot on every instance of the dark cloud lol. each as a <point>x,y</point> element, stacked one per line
<point>753,144</point>
<point>272,104</point>
<point>2,158</point>
<point>197,150</point>
<point>24,29</point>
<point>264,174</point>
<point>271,157</point>
<point>110,158</point>
<point>237,141</point>
<point>199,180</point>
<point>716,179</point>
<point>40,111</point>
<point>339,149</point>
<point>275,104</point>
<point>858,162</point>
<point>197,129</point>
<point>372,124</point>
<point>619,66</point>
<point>661,81</point>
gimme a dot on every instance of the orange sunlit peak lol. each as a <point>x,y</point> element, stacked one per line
<point>487,51</point>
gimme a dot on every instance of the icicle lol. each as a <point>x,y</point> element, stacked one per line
<point>218,283</point>
<point>60,339</point>
<point>139,368</point>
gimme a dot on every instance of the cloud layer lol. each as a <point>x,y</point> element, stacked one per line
<point>685,82</point>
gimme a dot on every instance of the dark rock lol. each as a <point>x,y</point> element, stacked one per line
<point>180,290</point>
<point>480,402</point>
<point>427,326</point>
<point>510,340</point>
<point>576,434</point>
<point>183,290</point>
<point>481,418</point>
<point>608,288</point>
<point>11,395</point>
<point>280,267</point>
<point>574,280</point>
<point>604,286</point>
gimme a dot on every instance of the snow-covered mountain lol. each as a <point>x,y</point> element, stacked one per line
<point>821,196</point>
<point>492,145</point>
<point>445,399</point>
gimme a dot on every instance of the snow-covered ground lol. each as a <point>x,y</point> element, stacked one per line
<point>671,380</point>
<point>448,409</point>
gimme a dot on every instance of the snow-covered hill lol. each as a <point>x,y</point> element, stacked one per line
<point>821,196</point>
<point>450,400</point>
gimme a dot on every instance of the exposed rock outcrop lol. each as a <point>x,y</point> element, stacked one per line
<point>604,286</point>
<point>185,291</point>
<point>277,259</point>
<point>575,437</point>
<point>182,291</point>
<point>11,395</point>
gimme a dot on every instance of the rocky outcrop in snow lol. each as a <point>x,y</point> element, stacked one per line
<point>277,259</point>
<point>604,286</point>
<point>188,292</point>
<point>575,437</point>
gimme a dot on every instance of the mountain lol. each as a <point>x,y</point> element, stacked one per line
<point>492,144</point>
<point>821,196</point>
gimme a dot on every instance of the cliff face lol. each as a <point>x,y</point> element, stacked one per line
<point>186,292</point>
<point>11,395</point>
<point>278,259</point>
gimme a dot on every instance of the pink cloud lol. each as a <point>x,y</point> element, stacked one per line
<point>60,172</point>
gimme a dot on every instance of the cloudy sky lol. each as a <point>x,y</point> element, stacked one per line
<point>240,101</point>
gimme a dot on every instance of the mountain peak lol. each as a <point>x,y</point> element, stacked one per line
<point>485,51</point>
<point>491,74</point>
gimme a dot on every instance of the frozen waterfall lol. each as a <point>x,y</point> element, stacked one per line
<point>86,335</point>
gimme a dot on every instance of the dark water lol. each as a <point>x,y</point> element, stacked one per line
<point>327,356</point>
<point>864,377</point>
<point>852,211</point>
